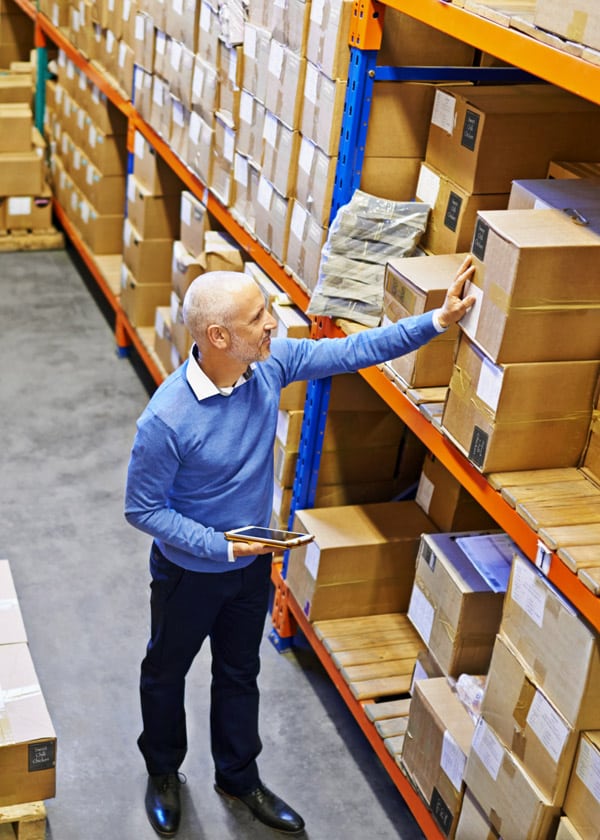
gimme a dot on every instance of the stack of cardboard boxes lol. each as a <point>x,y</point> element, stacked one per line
<point>27,737</point>
<point>16,35</point>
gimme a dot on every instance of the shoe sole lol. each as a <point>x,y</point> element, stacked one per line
<point>231,798</point>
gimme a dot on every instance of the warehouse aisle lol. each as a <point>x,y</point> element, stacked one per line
<point>68,406</point>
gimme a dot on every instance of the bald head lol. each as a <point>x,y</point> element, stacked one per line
<point>214,298</point>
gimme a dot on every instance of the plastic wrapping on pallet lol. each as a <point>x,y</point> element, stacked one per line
<point>364,234</point>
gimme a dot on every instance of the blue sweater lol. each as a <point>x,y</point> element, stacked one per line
<point>201,467</point>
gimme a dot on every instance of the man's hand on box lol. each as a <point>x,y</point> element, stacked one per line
<point>454,305</point>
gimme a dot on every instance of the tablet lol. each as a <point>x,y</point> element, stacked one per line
<point>268,536</point>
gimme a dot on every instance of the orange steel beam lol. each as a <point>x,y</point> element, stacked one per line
<point>366,25</point>
<point>567,71</point>
<point>419,809</point>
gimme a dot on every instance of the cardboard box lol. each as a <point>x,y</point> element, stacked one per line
<point>280,154</point>
<point>151,171</point>
<point>509,798</point>
<point>205,87</point>
<point>574,20</point>
<point>153,216</point>
<point>229,70</point>
<point>149,260</point>
<point>327,42</point>
<point>27,740</point>
<point>573,169</point>
<point>285,84</point>
<point>571,195</point>
<point>200,147</point>
<point>102,233</point>
<point>456,602</point>
<point>341,466</point>
<point>528,723</point>
<point>361,561</point>
<point>21,173</point>
<point>221,252</point>
<point>289,24</point>
<point>349,392</point>
<point>483,137</point>
<point>185,269</point>
<point>413,286</point>
<point>445,501</point>
<point>29,212</point>
<point>524,310</point>
<point>182,20</point>
<point>16,122</point>
<point>453,211</point>
<point>221,178</point>
<point>246,175</point>
<point>16,87</point>
<point>257,46</point>
<point>343,429</point>
<point>545,630</point>
<point>567,831</point>
<point>305,245</point>
<point>472,822</point>
<point>251,126</point>
<point>408,41</point>
<point>12,629</point>
<point>435,748</point>
<point>194,222</point>
<point>291,321</point>
<point>582,803</point>
<point>501,418</point>
<point>105,192</point>
<point>273,212</point>
<point>391,177</point>
<point>315,180</point>
<point>181,338</point>
<point>208,43</point>
<point>140,300</point>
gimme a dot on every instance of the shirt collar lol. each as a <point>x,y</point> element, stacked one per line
<point>202,386</point>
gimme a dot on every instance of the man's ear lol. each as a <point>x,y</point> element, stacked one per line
<point>218,336</point>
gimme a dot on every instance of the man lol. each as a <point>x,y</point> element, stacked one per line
<point>201,464</point>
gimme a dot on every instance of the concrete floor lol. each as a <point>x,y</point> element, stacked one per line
<point>68,406</point>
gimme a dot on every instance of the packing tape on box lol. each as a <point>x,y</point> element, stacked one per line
<point>9,696</point>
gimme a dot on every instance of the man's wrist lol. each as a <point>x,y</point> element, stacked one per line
<point>439,327</point>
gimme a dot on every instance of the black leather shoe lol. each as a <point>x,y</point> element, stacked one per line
<point>269,809</point>
<point>163,806</point>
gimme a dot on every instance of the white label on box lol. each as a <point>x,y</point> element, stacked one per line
<point>488,748</point>
<point>178,7</point>
<point>283,426</point>
<point>240,170</point>
<point>56,14</point>
<point>470,319</point>
<point>89,174</point>
<point>205,16</point>
<point>85,211</point>
<point>92,136</point>
<point>250,42</point>
<point>82,82</point>
<point>70,70</point>
<point>76,159</point>
<point>127,232</point>
<point>307,154</point>
<point>311,83</point>
<point>195,126</point>
<point>228,144</point>
<point>428,186</point>
<point>421,613</point>
<point>74,202</point>
<point>139,145</point>
<point>298,221</point>
<point>548,725</point>
<point>419,673</point>
<point>270,130</point>
<point>110,41</point>
<point>276,59</point>
<point>80,119</point>
<point>444,107</point>
<point>489,385</point>
<point>588,768</point>
<point>198,80</point>
<point>19,205</point>
<point>316,11</point>
<point>246,107</point>
<point>176,53</point>
<point>186,210</point>
<point>178,114</point>
<point>130,190</point>
<point>138,77</point>
<point>311,559</point>
<point>277,497</point>
<point>233,66</point>
<point>264,193</point>
<point>111,5</point>
<point>140,28</point>
<point>95,94</point>
<point>161,42</point>
<point>126,13</point>
<point>453,760</point>
<point>527,592</point>
<point>122,54</point>
<point>424,492</point>
<point>158,94</point>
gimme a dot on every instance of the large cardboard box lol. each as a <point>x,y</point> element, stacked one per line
<point>456,602</point>
<point>315,180</point>
<point>257,45</point>
<point>221,252</point>
<point>525,311</point>
<point>140,300</point>
<point>501,418</point>
<point>194,222</point>
<point>280,154</point>
<point>184,270</point>
<point>435,748</point>
<point>153,216</point>
<point>412,286</point>
<point>446,501</point>
<point>511,801</point>
<point>27,737</point>
<point>151,170</point>
<point>574,20</point>
<point>305,245</point>
<point>528,723</point>
<point>16,122</point>
<point>571,195</point>
<point>21,173</point>
<point>285,84</point>
<point>483,137</point>
<point>546,630</point>
<point>26,212</point>
<point>582,803</point>
<point>327,43</point>
<point>361,561</point>
<point>273,211</point>
<point>249,140</point>
<point>453,211</point>
<point>105,192</point>
<point>567,831</point>
<point>472,822</point>
<point>343,429</point>
<point>149,260</point>
<point>12,628</point>
<point>591,457</point>
<point>16,87</point>
<point>102,233</point>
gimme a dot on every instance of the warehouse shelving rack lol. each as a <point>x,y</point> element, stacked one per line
<point>514,48</point>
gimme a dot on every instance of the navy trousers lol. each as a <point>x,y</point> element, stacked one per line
<point>186,607</point>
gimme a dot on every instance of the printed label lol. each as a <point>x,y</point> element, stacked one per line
<point>270,130</point>
<point>276,59</point>
<point>195,126</point>
<point>421,613</point>
<point>548,725</point>
<point>311,560</point>
<point>527,592</point>
<point>298,222</point>
<point>452,211</point>
<point>264,193</point>
<point>41,756</point>
<point>453,760</point>
<point>19,205</point>
<point>428,186</point>
<point>588,768</point>
<point>480,239</point>
<point>470,127</point>
<point>441,813</point>
<point>311,83</point>
<point>488,748</point>
<point>246,108</point>
<point>250,42</point>
<point>306,157</point>
<point>478,448</point>
<point>489,385</point>
<point>470,320</point>
<point>424,492</point>
<point>444,110</point>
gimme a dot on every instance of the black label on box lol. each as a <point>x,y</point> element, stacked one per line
<point>441,813</point>
<point>428,555</point>
<point>453,211</point>
<point>479,443</point>
<point>42,756</point>
<point>480,239</point>
<point>469,135</point>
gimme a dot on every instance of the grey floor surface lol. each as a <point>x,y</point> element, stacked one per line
<point>68,407</point>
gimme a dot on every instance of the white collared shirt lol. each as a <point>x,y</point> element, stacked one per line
<point>202,386</point>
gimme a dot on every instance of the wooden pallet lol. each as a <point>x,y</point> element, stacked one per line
<point>375,654</point>
<point>31,240</point>
<point>23,822</point>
